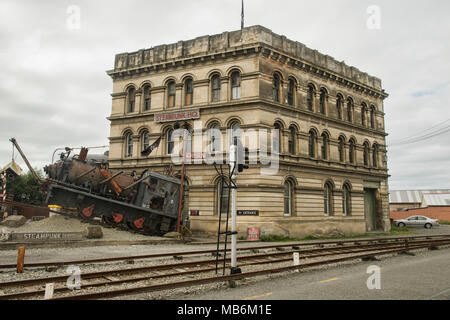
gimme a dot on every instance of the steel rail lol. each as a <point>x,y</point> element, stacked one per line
<point>91,275</point>
<point>200,252</point>
<point>190,272</point>
<point>340,251</point>
<point>195,282</point>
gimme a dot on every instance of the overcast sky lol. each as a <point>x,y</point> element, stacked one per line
<point>54,91</point>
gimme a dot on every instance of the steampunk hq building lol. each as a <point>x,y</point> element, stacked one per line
<point>327,119</point>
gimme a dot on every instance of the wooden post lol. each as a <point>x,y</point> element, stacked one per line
<point>20,259</point>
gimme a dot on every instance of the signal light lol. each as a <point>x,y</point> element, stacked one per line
<point>243,164</point>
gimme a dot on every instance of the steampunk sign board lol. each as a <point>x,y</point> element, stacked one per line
<point>177,116</point>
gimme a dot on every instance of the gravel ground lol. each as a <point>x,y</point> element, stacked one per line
<point>61,223</point>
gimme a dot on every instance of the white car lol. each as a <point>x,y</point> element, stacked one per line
<point>417,221</point>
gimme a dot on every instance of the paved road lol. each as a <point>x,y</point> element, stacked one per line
<point>424,276</point>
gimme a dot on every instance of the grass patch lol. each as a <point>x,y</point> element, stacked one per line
<point>444,222</point>
<point>395,231</point>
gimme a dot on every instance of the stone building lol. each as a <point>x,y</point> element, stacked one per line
<point>332,169</point>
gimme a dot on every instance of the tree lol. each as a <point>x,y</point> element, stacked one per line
<point>26,189</point>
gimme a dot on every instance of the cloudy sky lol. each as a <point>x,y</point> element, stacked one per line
<point>54,91</point>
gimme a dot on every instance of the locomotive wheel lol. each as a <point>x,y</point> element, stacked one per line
<point>136,223</point>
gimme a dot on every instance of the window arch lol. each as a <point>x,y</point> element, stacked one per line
<point>145,140</point>
<point>350,109</point>
<point>276,84</point>
<point>170,141</point>
<point>375,155</point>
<point>147,97</point>
<point>288,198</point>
<point>346,200</point>
<point>325,145</point>
<point>277,134</point>
<point>171,92</point>
<point>128,145</point>
<point>215,88</point>
<point>292,139</point>
<point>292,88</point>
<point>235,131</point>
<point>366,153</point>
<point>131,99</point>
<point>310,97</point>
<point>328,199</point>
<point>372,117</point>
<point>235,85</point>
<point>215,137</point>
<point>312,143</point>
<point>323,101</point>
<point>363,114</point>
<point>352,151</point>
<point>339,101</point>
<point>188,92</point>
<point>222,196</point>
<point>341,149</point>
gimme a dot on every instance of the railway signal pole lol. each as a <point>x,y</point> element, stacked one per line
<point>233,169</point>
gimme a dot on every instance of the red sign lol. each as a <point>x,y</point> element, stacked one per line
<point>253,234</point>
<point>176,116</point>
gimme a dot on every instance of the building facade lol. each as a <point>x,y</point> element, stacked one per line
<point>324,123</point>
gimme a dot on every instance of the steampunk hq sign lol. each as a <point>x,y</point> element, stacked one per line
<point>177,116</point>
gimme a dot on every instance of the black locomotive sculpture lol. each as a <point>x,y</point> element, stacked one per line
<point>149,203</point>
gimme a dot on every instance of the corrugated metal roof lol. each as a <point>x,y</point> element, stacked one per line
<point>412,196</point>
<point>435,199</point>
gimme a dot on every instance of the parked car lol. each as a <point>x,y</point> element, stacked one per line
<point>417,221</point>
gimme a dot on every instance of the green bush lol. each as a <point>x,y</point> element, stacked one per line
<point>26,189</point>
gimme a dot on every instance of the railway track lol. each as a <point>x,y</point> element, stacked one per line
<point>109,283</point>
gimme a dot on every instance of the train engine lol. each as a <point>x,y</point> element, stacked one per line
<point>148,203</point>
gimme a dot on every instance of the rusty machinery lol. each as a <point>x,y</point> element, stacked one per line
<point>148,203</point>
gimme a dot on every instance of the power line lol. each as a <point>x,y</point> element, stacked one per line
<point>421,132</point>
<point>423,137</point>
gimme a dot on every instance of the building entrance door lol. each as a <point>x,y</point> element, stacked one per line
<point>370,209</point>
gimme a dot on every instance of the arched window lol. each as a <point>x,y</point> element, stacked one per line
<point>276,88</point>
<point>292,139</point>
<point>215,137</point>
<point>215,88</point>
<point>288,198</point>
<point>291,92</point>
<point>322,101</point>
<point>363,114</point>
<point>366,154</point>
<point>128,145</point>
<point>372,117</point>
<point>349,109</point>
<point>169,141</point>
<point>223,196</point>
<point>188,92</point>
<point>375,155</point>
<point>312,144</point>
<point>277,138</point>
<point>145,140</point>
<point>171,90</point>
<point>339,106</point>
<point>351,151</point>
<point>346,201</point>
<point>328,199</point>
<point>235,85</point>
<point>146,98</point>
<point>187,135</point>
<point>131,99</point>
<point>235,132</point>
<point>325,143</point>
<point>341,149</point>
<point>310,98</point>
